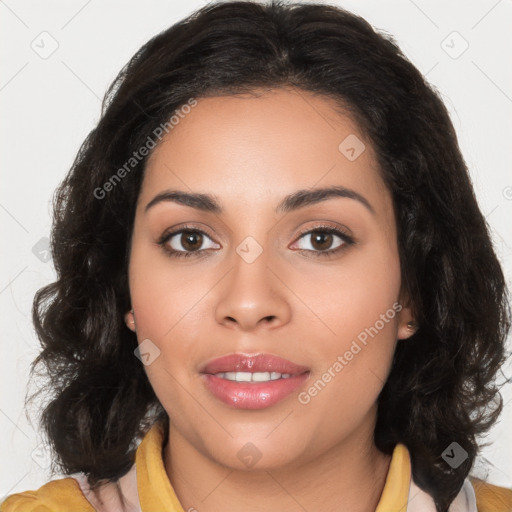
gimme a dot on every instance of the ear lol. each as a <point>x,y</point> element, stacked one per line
<point>129,319</point>
<point>407,324</point>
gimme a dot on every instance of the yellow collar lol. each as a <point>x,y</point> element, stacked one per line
<point>155,489</point>
<point>156,492</point>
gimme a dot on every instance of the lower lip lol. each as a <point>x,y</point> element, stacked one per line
<point>253,395</point>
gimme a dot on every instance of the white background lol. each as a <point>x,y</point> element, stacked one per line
<point>49,105</point>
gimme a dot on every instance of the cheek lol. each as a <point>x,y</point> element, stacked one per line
<point>358,307</point>
<point>163,294</point>
<point>352,296</point>
<point>361,308</point>
<point>168,314</point>
<point>168,311</point>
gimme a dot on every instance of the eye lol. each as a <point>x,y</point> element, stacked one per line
<point>186,242</point>
<point>324,241</point>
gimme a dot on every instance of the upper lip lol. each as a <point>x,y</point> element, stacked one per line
<point>252,363</point>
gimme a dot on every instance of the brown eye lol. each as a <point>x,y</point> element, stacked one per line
<point>191,240</point>
<point>321,241</point>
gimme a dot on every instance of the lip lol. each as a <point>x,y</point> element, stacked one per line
<point>252,363</point>
<point>252,395</point>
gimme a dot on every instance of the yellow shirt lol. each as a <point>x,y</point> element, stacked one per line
<point>147,488</point>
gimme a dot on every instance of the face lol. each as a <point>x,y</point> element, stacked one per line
<point>307,277</point>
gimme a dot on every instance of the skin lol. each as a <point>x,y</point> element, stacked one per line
<point>250,152</point>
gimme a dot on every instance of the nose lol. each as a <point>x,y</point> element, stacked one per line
<point>251,297</point>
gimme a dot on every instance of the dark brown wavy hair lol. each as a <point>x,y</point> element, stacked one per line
<point>442,387</point>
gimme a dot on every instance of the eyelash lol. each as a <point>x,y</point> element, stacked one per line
<point>348,241</point>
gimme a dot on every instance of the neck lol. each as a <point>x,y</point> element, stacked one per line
<point>348,477</point>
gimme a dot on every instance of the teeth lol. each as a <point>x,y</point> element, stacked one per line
<point>261,376</point>
<point>253,377</point>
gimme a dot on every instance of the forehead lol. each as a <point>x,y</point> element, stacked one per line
<point>257,148</point>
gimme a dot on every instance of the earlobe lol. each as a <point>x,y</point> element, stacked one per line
<point>407,325</point>
<point>129,319</point>
<point>406,330</point>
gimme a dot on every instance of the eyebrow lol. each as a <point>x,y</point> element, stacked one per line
<point>295,201</point>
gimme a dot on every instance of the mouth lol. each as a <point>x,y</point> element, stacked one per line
<point>252,381</point>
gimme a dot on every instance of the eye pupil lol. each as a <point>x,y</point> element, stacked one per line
<point>319,240</point>
<point>189,240</point>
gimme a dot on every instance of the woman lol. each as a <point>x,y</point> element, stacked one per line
<point>272,269</point>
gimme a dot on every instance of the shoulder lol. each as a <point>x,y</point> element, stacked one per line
<point>56,496</point>
<point>491,498</point>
